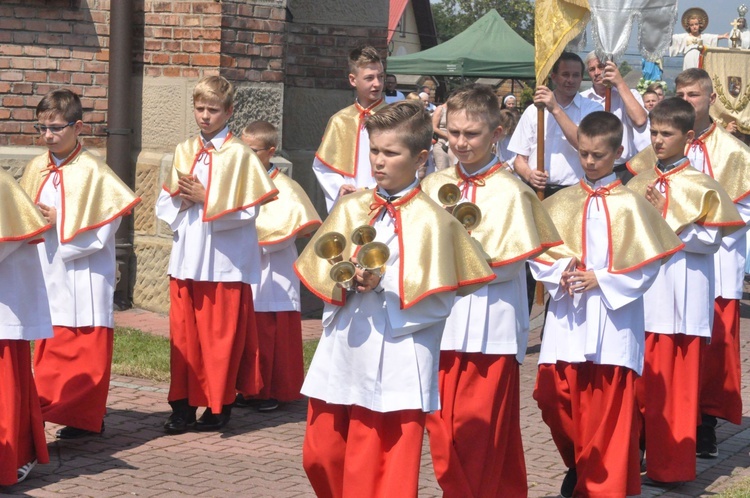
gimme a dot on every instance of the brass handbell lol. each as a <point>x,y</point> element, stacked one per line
<point>330,246</point>
<point>468,214</point>
<point>343,274</point>
<point>449,195</point>
<point>363,234</point>
<point>373,257</point>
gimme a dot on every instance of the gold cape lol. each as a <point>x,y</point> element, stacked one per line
<point>290,214</point>
<point>92,194</point>
<point>20,219</point>
<point>236,177</point>
<point>436,252</point>
<point>637,233</point>
<point>692,197</point>
<point>728,161</point>
<point>339,148</point>
<point>514,225</point>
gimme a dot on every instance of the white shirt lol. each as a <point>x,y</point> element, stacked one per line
<point>80,274</point>
<point>604,325</point>
<point>630,142</point>
<point>223,250</point>
<point>24,310</point>
<point>389,99</point>
<point>278,289</point>
<point>374,354</point>
<point>560,158</point>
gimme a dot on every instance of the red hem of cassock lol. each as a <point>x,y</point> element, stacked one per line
<point>668,402</point>
<point>352,451</point>
<point>280,355</point>
<point>208,323</point>
<point>475,439</point>
<point>21,427</point>
<point>592,414</point>
<point>72,372</point>
<point>721,366</point>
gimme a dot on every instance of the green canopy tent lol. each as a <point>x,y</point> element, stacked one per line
<point>487,48</point>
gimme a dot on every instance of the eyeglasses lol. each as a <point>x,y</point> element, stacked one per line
<point>55,129</point>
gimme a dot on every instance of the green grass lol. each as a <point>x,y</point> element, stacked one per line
<point>739,490</point>
<point>146,356</point>
<point>138,354</point>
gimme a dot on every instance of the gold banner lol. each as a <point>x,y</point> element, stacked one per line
<point>730,73</point>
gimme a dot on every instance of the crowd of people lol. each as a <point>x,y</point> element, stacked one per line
<point>425,262</point>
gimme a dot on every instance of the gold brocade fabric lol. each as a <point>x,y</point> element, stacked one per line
<point>338,149</point>
<point>643,161</point>
<point>20,219</point>
<point>92,194</point>
<point>237,179</point>
<point>556,23</point>
<point>730,74</point>
<point>637,233</point>
<point>290,214</point>
<point>437,253</point>
<point>692,197</point>
<point>728,160</point>
<point>514,223</point>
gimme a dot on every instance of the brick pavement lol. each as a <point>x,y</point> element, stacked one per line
<point>259,455</point>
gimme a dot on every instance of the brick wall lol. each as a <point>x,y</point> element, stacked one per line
<point>317,55</point>
<point>48,44</point>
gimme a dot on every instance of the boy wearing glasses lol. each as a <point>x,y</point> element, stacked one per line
<point>83,200</point>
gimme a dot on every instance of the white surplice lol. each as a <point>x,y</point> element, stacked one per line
<point>223,250</point>
<point>278,289</point>
<point>687,45</point>
<point>373,353</point>
<point>604,325</point>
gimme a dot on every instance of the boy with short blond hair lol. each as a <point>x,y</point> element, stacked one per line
<point>592,346</point>
<point>342,163</point>
<point>678,306</point>
<point>475,438</point>
<point>84,201</point>
<point>276,298</point>
<point>211,199</point>
<point>374,373</point>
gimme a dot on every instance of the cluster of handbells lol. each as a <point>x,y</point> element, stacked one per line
<point>373,256</point>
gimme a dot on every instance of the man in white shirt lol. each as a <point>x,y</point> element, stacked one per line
<point>390,94</point>
<point>625,103</point>
<point>564,109</point>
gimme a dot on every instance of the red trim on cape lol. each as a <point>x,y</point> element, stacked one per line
<point>460,284</point>
<point>541,248</point>
<point>123,212</point>
<point>312,289</point>
<point>332,168</point>
<point>26,236</point>
<point>293,234</point>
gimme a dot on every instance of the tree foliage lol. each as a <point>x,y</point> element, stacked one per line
<point>454,16</point>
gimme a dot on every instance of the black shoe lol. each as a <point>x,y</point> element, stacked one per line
<point>267,405</point>
<point>211,422</point>
<point>705,444</point>
<point>75,433</point>
<point>181,419</point>
<point>243,402</point>
<point>569,484</point>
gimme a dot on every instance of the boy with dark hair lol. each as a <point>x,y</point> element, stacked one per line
<point>342,164</point>
<point>678,306</point>
<point>276,298</point>
<point>210,199</point>
<point>475,439</point>
<point>592,347</point>
<point>84,201</point>
<point>374,374</point>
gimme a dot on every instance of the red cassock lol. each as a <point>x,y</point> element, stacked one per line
<point>209,324</point>
<point>279,351</point>
<point>22,437</point>
<point>668,401</point>
<point>72,373</point>
<point>591,412</point>
<point>475,438</point>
